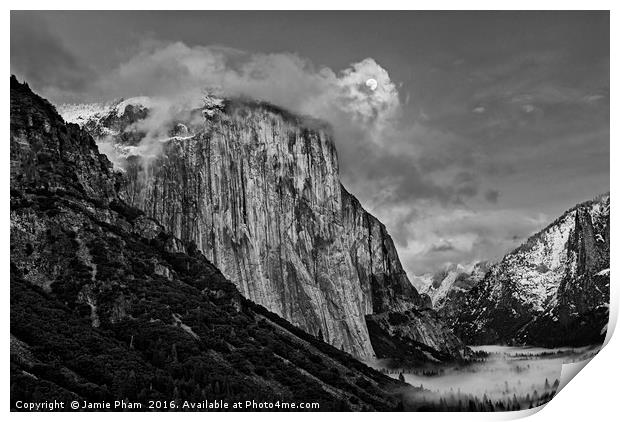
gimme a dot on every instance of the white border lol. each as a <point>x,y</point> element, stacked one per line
<point>590,396</point>
<point>318,5</point>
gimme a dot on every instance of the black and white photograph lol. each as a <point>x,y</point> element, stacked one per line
<point>319,210</point>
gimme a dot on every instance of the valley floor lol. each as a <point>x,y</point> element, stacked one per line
<point>497,378</point>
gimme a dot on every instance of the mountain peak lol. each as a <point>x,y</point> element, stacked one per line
<point>555,286</point>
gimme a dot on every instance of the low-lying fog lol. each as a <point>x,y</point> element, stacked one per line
<point>516,376</point>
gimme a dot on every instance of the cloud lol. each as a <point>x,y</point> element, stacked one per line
<point>175,74</point>
<point>528,108</point>
<point>39,57</point>
<point>492,196</point>
<point>175,71</point>
<point>593,98</point>
<point>442,246</point>
<point>439,236</point>
<point>384,157</point>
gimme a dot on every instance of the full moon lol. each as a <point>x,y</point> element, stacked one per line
<point>372,84</point>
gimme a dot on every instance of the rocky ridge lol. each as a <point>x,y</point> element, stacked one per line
<point>551,291</point>
<point>452,281</point>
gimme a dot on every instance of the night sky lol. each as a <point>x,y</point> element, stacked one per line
<point>484,127</point>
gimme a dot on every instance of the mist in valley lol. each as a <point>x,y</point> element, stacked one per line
<point>495,378</point>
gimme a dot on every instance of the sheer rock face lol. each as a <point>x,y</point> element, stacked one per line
<point>551,291</point>
<point>258,191</point>
<point>407,336</point>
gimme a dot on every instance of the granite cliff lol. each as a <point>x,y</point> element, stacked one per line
<point>257,190</point>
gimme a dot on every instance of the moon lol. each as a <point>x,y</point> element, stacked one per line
<point>372,84</point>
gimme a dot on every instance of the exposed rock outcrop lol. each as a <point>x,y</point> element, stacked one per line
<point>454,280</point>
<point>407,335</point>
<point>257,190</point>
<point>551,291</point>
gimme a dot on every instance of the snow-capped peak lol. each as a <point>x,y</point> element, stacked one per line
<point>83,113</point>
<point>140,102</point>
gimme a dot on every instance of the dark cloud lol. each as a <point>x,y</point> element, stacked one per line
<point>466,184</point>
<point>394,178</point>
<point>39,57</point>
<point>492,196</point>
